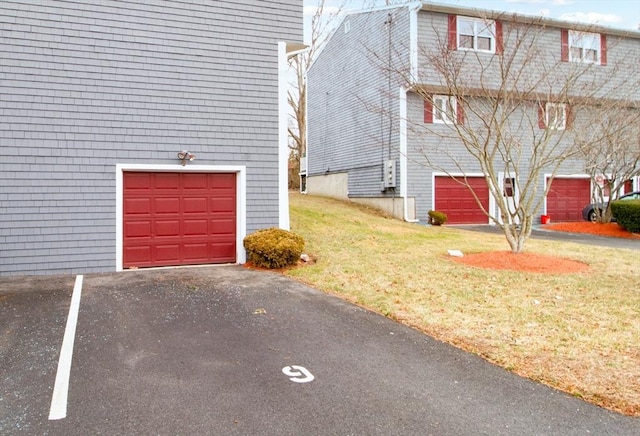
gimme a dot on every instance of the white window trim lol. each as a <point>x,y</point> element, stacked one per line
<point>442,111</point>
<point>548,108</point>
<point>575,36</point>
<point>491,24</point>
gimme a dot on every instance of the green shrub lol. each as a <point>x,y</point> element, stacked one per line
<point>437,218</point>
<point>627,214</point>
<point>273,248</point>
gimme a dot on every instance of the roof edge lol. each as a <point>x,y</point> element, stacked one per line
<point>527,19</point>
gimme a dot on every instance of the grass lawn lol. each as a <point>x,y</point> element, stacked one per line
<point>577,332</point>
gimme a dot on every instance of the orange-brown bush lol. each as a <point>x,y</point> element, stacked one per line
<point>273,248</point>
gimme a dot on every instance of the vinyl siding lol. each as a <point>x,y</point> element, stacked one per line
<point>89,84</point>
<point>352,103</point>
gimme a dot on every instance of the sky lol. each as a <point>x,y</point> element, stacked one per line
<point>622,14</point>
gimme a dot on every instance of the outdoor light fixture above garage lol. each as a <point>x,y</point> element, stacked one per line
<point>185,155</point>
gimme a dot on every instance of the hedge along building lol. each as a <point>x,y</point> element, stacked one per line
<point>401,97</point>
<point>99,100</point>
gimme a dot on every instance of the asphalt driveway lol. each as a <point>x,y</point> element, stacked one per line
<point>226,350</point>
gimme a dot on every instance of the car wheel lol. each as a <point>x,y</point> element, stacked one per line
<point>592,216</point>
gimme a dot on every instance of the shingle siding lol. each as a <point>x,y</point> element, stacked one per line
<point>88,84</point>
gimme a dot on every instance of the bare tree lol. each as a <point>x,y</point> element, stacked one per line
<point>513,115</point>
<point>611,147</point>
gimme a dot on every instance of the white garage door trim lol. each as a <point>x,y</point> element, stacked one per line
<point>435,174</point>
<point>561,176</point>
<point>241,218</point>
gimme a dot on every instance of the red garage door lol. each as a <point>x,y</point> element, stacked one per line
<point>458,202</point>
<point>567,198</point>
<point>178,219</point>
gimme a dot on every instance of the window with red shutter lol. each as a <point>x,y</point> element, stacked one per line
<point>603,49</point>
<point>499,38</point>
<point>443,109</point>
<point>453,32</point>
<point>564,45</point>
<point>554,116</point>
<point>428,110</point>
<point>470,33</point>
<point>583,47</point>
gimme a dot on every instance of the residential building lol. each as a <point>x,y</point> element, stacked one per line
<point>140,133</point>
<point>396,98</point>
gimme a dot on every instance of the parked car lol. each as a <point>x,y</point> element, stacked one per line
<point>589,212</point>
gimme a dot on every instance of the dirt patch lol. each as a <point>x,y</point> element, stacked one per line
<point>609,229</point>
<point>527,262</point>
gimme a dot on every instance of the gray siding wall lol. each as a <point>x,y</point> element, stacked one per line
<point>352,104</point>
<point>618,79</point>
<point>87,84</point>
<point>538,56</point>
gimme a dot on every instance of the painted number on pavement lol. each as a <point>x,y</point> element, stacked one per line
<point>298,374</point>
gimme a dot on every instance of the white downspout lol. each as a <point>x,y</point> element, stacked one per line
<point>283,147</point>
<point>413,71</point>
<point>403,155</point>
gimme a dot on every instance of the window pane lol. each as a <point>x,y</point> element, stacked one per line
<point>466,41</point>
<point>438,108</point>
<point>450,109</point>
<point>465,27</point>
<point>576,53</point>
<point>484,43</point>
<point>590,55</point>
<point>485,29</point>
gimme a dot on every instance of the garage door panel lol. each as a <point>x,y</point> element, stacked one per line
<point>138,255</point>
<point>137,229</point>
<point>169,205</point>
<point>222,204</point>
<point>169,253</point>
<point>567,197</point>
<point>221,250</point>
<point>195,227</point>
<point>189,218</point>
<point>138,182</point>
<point>195,205</point>
<point>167,228</point>
<point>221,181</point>
<point>166,181</point>
<point>223,227</point>
<point>457,201</point>
<point>195,181</point>
<point>197,252</point>
<point>137,206</point>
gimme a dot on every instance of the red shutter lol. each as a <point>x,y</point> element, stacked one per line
<point>453,32</point>
<point>428,110</point>
<point>564,45</point>
<point>603,49</point>
<point>459,111</point>
<point>499,38</point>
<point>541,122</point>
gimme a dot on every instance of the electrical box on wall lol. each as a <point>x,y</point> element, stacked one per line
<point>389,180</point>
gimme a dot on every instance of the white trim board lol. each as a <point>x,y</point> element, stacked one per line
<point>241,199</point>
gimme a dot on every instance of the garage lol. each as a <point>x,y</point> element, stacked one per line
<point>567,197</point>
<point>178,218</point>
<point>457,201</point>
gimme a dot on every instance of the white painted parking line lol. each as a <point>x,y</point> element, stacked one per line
<point>58,408</point>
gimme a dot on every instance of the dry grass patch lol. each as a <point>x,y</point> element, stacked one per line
<point>579,332</point>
